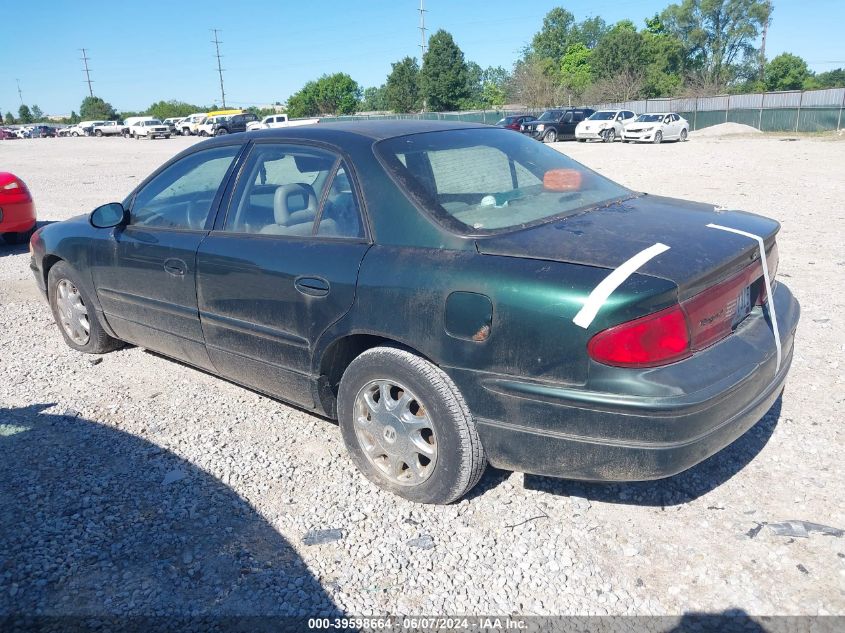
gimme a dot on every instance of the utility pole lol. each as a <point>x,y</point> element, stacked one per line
<point>422,30</point>
<point>20,94</point>
<point>217,44</point>
<point>422,41</point>
<point>85,59</point>
<point>763,44</point>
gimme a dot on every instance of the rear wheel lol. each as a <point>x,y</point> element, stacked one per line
<point>550,136</point>
<point>98,133</point>
<point>581,140</point>
<point>74,313</point>
<point>658,137</point>
<point>221,132</point>
<point>407,427</point>
<point>683,135</point>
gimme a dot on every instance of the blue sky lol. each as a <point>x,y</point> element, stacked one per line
<point>153,50</point>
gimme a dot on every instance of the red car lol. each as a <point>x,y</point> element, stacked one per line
<point>17,210</point>
<point>6,134</point>
<point>513,121</point>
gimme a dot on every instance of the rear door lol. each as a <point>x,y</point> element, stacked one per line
<point>145,273</point>
<point>281,267</point>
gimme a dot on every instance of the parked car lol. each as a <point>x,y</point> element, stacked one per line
<point>657,127</point>
<point>233,124</point>
<point>17,209</point>
<point>555,125</point>
<point>24,132</point>
<point>148,128</point>
<point>84,128</point>
<point>278,120</point>
<point>172,124</point>
<point>206,126</point>
<point>43,131</point>
<point>7,134</point>
<point>453,293</point>
<point>63,131</point>
<point>109,128</point>
<point>514,121</point>
<point>604,125</point>
<point>188,125</point>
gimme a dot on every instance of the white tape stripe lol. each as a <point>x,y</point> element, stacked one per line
<point>766,280</point>
<point>610,283</point>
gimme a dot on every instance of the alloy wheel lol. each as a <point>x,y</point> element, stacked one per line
<point>73,315</point>
<point>395,432</point>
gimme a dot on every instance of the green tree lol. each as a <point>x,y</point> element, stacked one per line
<point>24,115</point>
<point>494,86</point>
<point>1,117</point>
<point>443,77</point>
<point>620,51</point>
<point>534,82</point>
<point>95,109</point>
<point>374,99</point>
<point>555,37</point>
<point>37,114</point>
<point>10,120</point>
<point>786,72</point>
<point>831,79</point>
<point>717,35</point>
<point>401,91</point>
<point>575,69</point>
<point>168,109</point>
<point>589,32</point>
<point>665,64</point>
<point>330,94</point>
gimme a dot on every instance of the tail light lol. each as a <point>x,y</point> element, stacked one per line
<point>13,189</point>
<point>693,325</point>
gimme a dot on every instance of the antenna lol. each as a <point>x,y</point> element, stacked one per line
<point>85,59</point>
<point>20,94</point>
<point>217,44</point>
<point>422,30</point>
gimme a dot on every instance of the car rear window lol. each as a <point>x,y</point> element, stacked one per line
<point>490,180</point>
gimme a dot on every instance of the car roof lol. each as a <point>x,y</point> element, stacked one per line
<point>368,129</point>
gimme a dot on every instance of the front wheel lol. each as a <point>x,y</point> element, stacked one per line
<point>74,312</point>
<point>407,428</point>
<point>658,137</point>
<point>610,136</point>
<point>98,133</point>
<point>550,136</point>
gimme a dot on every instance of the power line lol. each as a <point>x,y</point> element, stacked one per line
<point>85,59</point>
<point>217,44</point>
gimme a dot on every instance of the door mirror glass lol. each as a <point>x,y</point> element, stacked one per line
<point>107,215</point>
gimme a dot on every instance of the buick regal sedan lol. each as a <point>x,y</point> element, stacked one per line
<point>453,294</point>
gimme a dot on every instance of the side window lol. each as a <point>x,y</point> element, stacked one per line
<point>567,118</point>
<point>279,190</point>
<point>180,197</point>
<point>341,216</point>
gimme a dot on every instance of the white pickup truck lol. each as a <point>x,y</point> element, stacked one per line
<point>188,125</point>
<point>108,128</point>
<point>278,120</point>
<point>147,127</point>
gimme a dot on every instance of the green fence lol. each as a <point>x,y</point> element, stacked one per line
<point>790,111</point>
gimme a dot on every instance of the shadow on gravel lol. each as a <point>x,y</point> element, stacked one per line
<point>99,523</point>
<point>684,487</point>
<point>730,621</point>
<point>6,249</point>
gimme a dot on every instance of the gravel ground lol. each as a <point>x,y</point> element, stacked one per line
<point>130,484</point>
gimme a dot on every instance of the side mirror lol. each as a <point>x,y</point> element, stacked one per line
<point>107,216</point>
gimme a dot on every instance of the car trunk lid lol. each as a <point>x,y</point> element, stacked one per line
<point>608,236</point>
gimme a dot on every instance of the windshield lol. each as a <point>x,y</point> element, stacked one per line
<point>487,180</point>
<point>152,122</point>
<point>603,116</point>
<point>507,120</point>
<point>550,115</point>
<point>650,118</point>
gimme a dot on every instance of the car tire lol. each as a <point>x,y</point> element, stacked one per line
<point>98,133</point>
<point>441,429</point>
<point>62,278</point>
<point>21,237</point>
<point>220,132</point>
<point>75,134</point>
<point>609,136</point>
<point>683,137</point>
<point>581,140</point>
<point>550,136</point>
<point>167,136</point>
<point>658,137</point>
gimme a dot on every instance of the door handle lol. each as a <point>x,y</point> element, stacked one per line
<point>175,267</point>
<point>312,286</point>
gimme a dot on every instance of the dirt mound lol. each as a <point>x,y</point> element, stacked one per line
<point>725,129</point>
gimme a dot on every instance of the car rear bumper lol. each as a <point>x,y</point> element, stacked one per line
<point>17,217</point>
<point>638,424</point>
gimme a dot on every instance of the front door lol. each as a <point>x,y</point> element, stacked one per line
<point>145,276</point>
<point>567,126</point>
<point>281,268</point>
